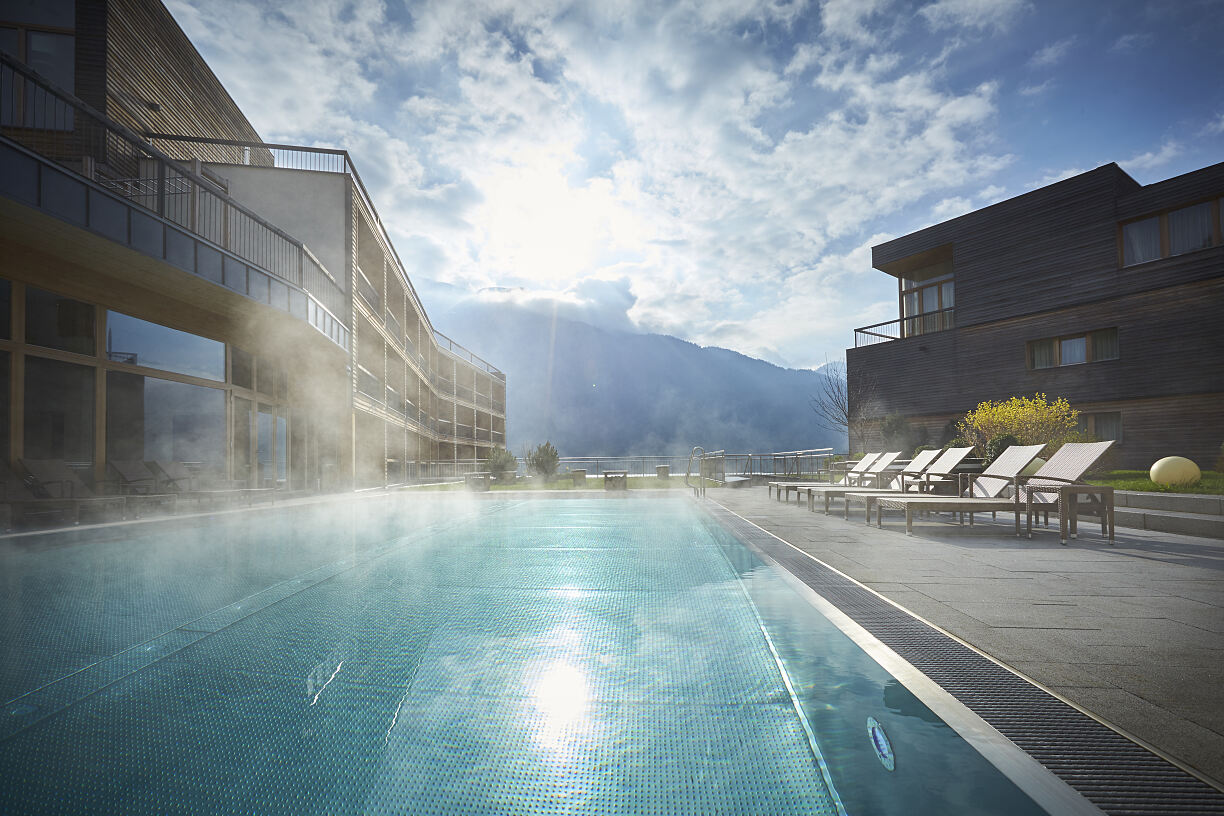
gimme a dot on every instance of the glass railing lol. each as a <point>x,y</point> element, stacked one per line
<point>62,129</point>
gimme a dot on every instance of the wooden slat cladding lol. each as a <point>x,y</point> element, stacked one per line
<point>90,55</point>
<point>1180,190</point>
<point>1170,351</point>
<point>151,63</point>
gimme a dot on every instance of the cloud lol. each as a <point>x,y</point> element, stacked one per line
<point>1036,90</point>
<point>1130,43</point>
<point>1052,54</point>
<point>682,170</point>
<point>1216,125</point>
<point>980,15</point>
<point>950,208</point>
<point>1146,161</point>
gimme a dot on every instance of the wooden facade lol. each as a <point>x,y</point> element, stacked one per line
<point>1049,265</point>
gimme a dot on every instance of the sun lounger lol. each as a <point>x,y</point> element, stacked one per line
<point>176,477</point>
<point>943,468</point>
<point>53,479</point>
<point>780,487</point>
<point>984,493</point>
<point>138,484</point>
<point>827,492</point>
<point>1058,482</point>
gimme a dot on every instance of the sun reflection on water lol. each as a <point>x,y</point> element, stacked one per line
<point>562,696</point>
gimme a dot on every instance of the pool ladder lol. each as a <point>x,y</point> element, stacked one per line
<point>698,489</point>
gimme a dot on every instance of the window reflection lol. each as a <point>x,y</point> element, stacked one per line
<point>149,418</point>
<point>242,439</point>
<point>242,368</point>
<point>4,407</point>
<point>59,410</point>
<point>58,322</point>
<point>130,340</point>
<point>6,309</point>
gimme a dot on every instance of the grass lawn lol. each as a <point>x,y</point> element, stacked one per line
<point>1211,483</point>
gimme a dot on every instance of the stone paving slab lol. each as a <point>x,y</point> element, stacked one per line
<point>1133,633</point>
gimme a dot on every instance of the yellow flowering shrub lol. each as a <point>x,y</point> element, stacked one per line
<point>1032,420</point>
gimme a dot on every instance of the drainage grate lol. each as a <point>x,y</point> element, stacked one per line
<point>1116,774</point>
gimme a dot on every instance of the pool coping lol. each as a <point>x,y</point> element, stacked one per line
<point>1117,772</point>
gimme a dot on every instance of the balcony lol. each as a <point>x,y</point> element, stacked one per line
<point>119,186</point>
<point>905,327</point>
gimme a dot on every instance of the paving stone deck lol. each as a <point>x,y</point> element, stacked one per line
<point>1133,633</point>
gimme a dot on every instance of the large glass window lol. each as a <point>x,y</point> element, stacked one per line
<point>926,304</point>
<point>1102,426</point>
<point>242,368</point>
<point>149,418</point>
<point>130,340</point>
<point>57,322</point>
<point>59,410</point>
<point>264,447</point>
<point>243,420</point>
<point>1190,228</point>
<point>1074,350</point>
<point>1141,241</point>
<point>1090,347</point>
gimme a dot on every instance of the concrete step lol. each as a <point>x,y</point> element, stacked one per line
<point>1174,502</point>
<point>1209,525</point>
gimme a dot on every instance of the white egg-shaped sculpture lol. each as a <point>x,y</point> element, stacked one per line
<point>1175,470</point>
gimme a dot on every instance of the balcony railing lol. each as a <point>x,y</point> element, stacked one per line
<point>62,129</point>
<point>319,159</point>
<point>905,327</point>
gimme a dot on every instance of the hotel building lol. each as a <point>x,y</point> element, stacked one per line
<point>1097,289</point>
<point>173,288</point>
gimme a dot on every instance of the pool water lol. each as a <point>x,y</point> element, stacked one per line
<point>575,656</point>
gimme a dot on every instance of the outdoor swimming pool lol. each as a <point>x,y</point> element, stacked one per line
<point>553,656</point>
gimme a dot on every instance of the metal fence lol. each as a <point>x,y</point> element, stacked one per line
<point>56,125</point>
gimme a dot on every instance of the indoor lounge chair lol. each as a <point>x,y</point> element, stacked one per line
<point>53,479</point>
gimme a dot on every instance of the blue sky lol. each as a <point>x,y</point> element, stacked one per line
<point>715,169</point>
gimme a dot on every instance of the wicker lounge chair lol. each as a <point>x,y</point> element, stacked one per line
<point>827,492</point>
<point>984,493</point>
<point>1059,482</point>
<point>53,479</point>
<point>780,487</point>
<point>943,469</point>
<point>138,484</point>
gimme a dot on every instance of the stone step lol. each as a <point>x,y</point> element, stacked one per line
<point>1175,502</point>
<point>1209,525</point>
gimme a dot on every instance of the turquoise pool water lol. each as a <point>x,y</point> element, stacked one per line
<point>471,657</point>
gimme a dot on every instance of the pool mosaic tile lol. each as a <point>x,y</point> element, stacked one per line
<point>568,756</point>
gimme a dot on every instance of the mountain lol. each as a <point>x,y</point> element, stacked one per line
<point>599,391</point>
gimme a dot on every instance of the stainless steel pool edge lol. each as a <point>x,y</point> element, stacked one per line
<point>1179,800</point>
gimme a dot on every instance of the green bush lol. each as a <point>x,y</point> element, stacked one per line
<point>1031,420</point>
<point>997,445</point>
<point>922,448</point>
<point>502,464</point>
<point>543,461</point>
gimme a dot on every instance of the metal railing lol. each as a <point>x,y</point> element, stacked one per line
<point>43,118</point>
<point>317,159</point>
<point>904,327</point>
<point>634,465</point>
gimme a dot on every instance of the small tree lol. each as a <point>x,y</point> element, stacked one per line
<point>501,463</point>
<point>543,460</point>
<point>842,404</point>
<point>1031,420</point>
